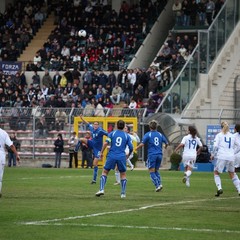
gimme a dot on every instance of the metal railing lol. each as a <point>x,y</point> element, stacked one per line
<point>183,87</point>
<point>218,115</point>
<point>37,128</point>
<point>211,42</point>
<point>213,39</point>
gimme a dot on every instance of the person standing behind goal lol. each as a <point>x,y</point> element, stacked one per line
<point>72,142</point>
<point>5,140</point>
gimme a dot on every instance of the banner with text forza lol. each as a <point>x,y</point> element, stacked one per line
<point>10,68</point>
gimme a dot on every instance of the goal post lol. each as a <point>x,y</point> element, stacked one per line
<point>108,124</point>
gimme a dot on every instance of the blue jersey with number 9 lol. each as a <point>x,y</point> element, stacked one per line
<point>118,141</point>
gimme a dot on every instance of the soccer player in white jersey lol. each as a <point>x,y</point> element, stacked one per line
<point>223,150</point>
<point>189,144</point>
<point>5,140</point>
<point>118,140</point>
<point>237,152</point>
<point>134,137</point>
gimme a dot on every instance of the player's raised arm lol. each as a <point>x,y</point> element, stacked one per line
<point>86,122</point>
<point>139,146</point>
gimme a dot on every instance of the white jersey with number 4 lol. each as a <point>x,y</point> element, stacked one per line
<point>224,146</point>
<point>4,139</point>
<point>190,145</point>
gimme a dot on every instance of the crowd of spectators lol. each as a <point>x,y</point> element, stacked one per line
<point>18,24</point>
<point>178,47</point>
<point>84,61</point>
<point>94,92</point>
<point>196,12</point>
<point>174,53</point>
<point>78,86</point>
<point>111,36</point>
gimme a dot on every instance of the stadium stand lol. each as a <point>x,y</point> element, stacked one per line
<point>73,72</point>
<point>19,24</point>
<point>111,36</point>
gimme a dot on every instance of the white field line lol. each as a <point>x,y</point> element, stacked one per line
<point>142,227</point>
<point>48,221</point>
<point>34,178</point>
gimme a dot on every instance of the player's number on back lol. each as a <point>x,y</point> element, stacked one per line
<point>118,141</point>
<point>228,141</point>
<point>156,141</point>
<point>192,144</point>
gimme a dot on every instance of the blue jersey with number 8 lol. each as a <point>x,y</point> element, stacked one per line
<point>154,139</point>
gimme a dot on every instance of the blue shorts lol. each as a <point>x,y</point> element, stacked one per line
<point>111,163</point>
<point>154,161</point>
<point>96,151</point>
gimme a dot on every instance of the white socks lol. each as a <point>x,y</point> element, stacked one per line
<point>188,173</point>
<point>130,163</point>
<point>235,181</point>
<point>117,175</point>
<point>218,183</point>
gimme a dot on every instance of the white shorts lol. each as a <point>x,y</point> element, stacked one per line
<point>130,156</point>
<point>1,172</point>
<point>237,160</point>
<point>221,164</point>
<point>189,161</point>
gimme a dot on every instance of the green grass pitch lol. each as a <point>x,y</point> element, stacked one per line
<point>61,204</point>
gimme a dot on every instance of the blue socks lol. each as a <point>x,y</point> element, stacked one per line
<point>154,179</point>
<point>123,185</point>
<point>103,180</point>
<point>158,178</point>
<point>95,173</point>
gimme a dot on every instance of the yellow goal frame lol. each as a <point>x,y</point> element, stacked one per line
<point>105,123</point>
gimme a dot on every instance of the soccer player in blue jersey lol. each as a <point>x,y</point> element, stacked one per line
<point>95,143</point>
<point>134,137</point>
<point>118,140</point>
<point>154,140</point>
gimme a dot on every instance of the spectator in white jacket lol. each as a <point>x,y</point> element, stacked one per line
<point>116,94</point>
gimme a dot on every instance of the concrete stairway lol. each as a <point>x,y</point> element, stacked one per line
<point>216,89</point>
<point>38,40</point>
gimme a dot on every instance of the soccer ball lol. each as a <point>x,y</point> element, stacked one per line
<point>82,33</point>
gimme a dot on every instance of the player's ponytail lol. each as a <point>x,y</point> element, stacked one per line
<point>225,127</point>
<point>192,130</point>
<point>237,128</point>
